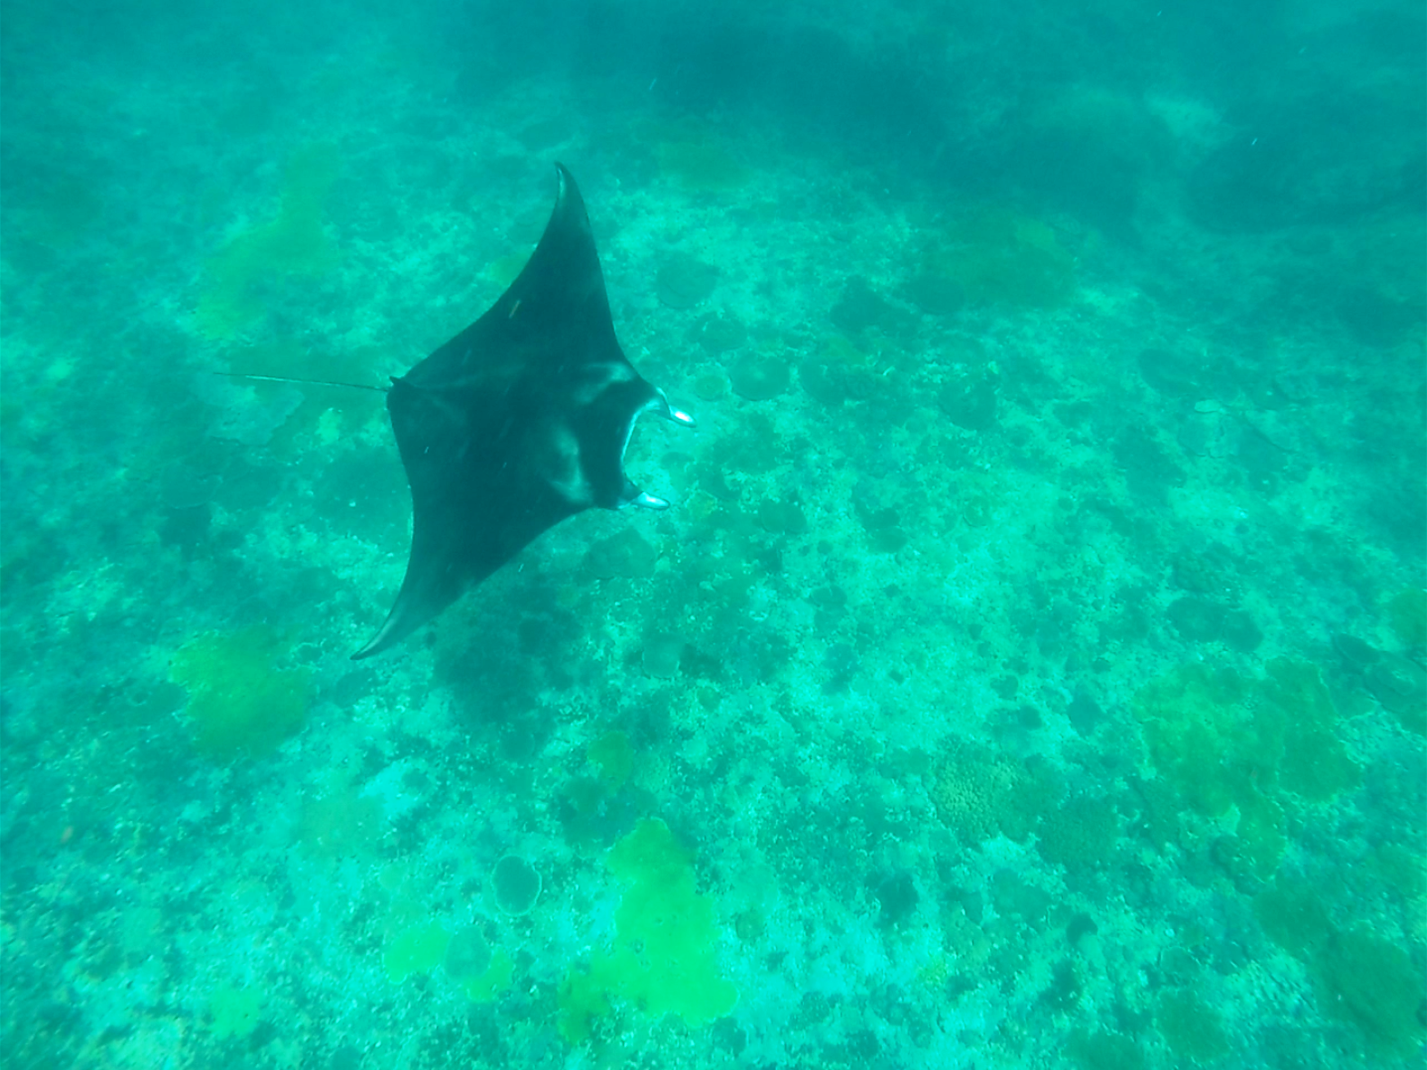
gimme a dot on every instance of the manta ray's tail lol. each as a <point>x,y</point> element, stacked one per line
<point>301,382</point>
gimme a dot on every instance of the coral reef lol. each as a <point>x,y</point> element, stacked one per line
<point>515,884</point>
<point>979,796</point>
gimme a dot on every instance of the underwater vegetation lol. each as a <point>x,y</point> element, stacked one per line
<point>662,959</point>
<point>613,755</point>
<point>481,971</point>
<point>1253,761</point>
<point>239,277</point>
<point>418,950</point>
<point>1222,741</point>
<point>993,256</point>
<point>50,207</point>
<point>240,703</point>
<point>701,166</point>
<point>1266,750</point>
<point>467,959</point>
<point>1407,612</point>
<point>1190,1027</point>
<point>1360,977</point>
<point>1210,730</point>
<point>468,954</point>
<point>1395,680</point>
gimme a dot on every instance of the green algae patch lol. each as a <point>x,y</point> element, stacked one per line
<point>1361,978</point>
<point>240,704</point>
<point>242,277</point>
<point>1372,983</point>
<point>468,955</point>
<point>1260,834</point>
<point>1400,684</point>
<point>1191,1028</point>
<point>1293,916</point>
<point>1203,738</point>
<point>994,256</point>
<point>1314,764</point>
<point>1401,869</point>
<point>418,950</point>
<point>1407,613</point>
<point>701,166</point>
<point>584,999</point>
<point>663,958</point>
<point>1104,1051</point>
<point>613,755</point>
<point>492,982</point>
<point>235,1011</point>
<point>469,961</point>
<point>1259,748</point>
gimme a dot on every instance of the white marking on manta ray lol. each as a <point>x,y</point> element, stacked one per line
<point>600,377</point>
<point>566,472</point>
<point>652,405</point>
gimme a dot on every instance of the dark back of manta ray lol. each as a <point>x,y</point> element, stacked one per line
<point>515,424</point>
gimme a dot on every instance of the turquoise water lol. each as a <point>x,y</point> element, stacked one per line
<point>1028,672</point>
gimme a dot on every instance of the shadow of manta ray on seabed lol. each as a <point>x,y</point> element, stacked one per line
<point>515,424</point>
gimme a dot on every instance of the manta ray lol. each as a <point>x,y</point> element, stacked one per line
<point>517,423</point>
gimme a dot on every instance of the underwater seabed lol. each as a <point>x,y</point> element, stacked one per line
<point>1030,669</point>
